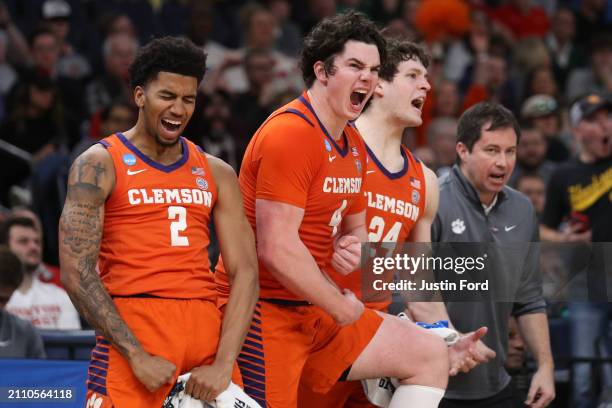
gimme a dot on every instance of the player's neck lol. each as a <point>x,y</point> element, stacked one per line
<point>382,138</point>
<point>321,105</point>
<point>147,144</point>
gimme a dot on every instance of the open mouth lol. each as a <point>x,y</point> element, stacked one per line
<point>418,103</point>
<point>498,178</point>
<point>171,125</point>
<point>357,97</point>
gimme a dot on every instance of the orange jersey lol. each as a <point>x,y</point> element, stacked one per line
<point>155,235</point>
<point>293,159</point>
<point>396,201</point>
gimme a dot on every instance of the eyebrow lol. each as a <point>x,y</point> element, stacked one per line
<point>359,62</point>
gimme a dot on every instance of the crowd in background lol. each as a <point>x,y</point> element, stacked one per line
<point>64,81</point>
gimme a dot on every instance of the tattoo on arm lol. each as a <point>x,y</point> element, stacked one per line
<point>81,226</point>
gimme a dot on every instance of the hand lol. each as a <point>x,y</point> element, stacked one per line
<point>207,382</point>
<point>572,235</point>
<point>347,254</point>
<point>352,310</point>
<point>468,352</point>
<point>152,371</point>
<point>542,388</point>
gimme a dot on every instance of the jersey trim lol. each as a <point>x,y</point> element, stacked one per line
<point>152,163</point>
<point>300,114</point>
<point>104,143</point>
<point>383,169</point>
<point>341,151</point>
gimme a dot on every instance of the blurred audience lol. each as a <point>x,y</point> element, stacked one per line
<point>18,338</point>
<point>44,305</point>
<point>442,137</point>
<point>543,113</point>
<point>531,156</point>
<point>533,186</point>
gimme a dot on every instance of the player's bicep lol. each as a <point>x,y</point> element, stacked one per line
<point>90,181</point>
<point>234,232</point>
<point>277,224</point>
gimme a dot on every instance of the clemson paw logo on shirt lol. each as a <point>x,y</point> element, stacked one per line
<point>94,401</point>
<point>458,226</point>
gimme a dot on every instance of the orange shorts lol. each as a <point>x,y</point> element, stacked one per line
<point>344,394</point>
<point>283,338</point>
<point>185,332</point>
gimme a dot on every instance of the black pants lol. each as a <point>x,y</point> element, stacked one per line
<point>506,398</point>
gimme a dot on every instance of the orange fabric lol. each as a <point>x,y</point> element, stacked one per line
<point>396,201</point>
<point>285,339</point>
<point>185,332</point>
<point>290,159</point>
<point>344,394</point>
<point>156,219</point>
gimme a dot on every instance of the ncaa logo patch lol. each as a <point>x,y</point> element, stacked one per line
<point>415,197</point>
<point>129,159</point>
<point>203,184</point>
<point>328,145</point>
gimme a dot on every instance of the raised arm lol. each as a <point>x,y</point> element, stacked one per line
<point>90,182</point>
<point>240,260</point>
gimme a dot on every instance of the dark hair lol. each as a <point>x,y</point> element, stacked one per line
<point>330,35</point>
<point>472,121</point>
<point>119,102</point>
<point>398,51</point>
<point>10,222</point>
<point>167,54</point>
<point>11,269</point>
<point>43,30</point>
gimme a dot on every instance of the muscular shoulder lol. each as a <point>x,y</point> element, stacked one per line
<point>93,170</point>
<point>221,170</point>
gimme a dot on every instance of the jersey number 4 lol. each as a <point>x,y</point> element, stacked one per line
<point>180,215</point>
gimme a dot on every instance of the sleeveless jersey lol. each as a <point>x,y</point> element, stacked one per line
<point>155,235</point>
<point>293,159</point>
<point>396,202</point>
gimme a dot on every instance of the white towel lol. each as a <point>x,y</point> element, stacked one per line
<point>232,397</point>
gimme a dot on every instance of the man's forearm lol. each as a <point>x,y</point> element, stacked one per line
<point>428,312</point>
<point>238,315</point>
<point>534,329</point>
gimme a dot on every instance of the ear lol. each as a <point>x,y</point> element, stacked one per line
<point>462,151</point>
<point>379,91</point>
<point>139,96</point>
<point>319,71</point>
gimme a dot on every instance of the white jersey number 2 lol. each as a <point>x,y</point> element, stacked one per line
<point>180,215</point>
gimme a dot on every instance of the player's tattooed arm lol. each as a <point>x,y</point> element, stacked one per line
<point>90,182</point>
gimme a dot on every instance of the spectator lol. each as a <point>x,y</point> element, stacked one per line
<point>442,138</point>
<point>289,39</point>
<point>532,185</point>
<point>580,188</point>
<point>18,338</point>
<point>45,56</point>
<point>119,116</point>
<point>8,75</point>
<point>542,112</point>
<point>522,18</point>
<point>531,156</point>
<point>541,81</point>
<point>37,124</point>
<point>254,105</point>
<point>598,76</point>
<point>17,49</point>
<point>591,20</point>
<point>446,99</point>
<point>566,53</point>
<point>43,304</point>
<point>119,53</point>
<point>515,363</point>
<point>579,194</point>
<point>71,64</point>
<point>259,33</point>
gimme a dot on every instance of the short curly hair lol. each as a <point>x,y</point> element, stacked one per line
<point>328,37</point>
<point>398,51</point>
<point>167,54</point>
